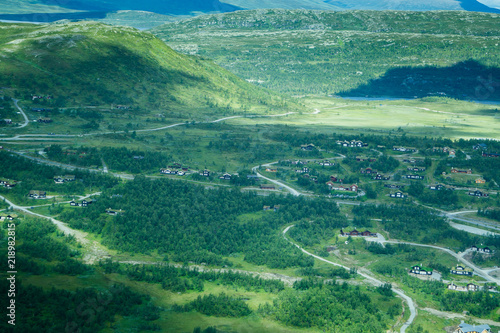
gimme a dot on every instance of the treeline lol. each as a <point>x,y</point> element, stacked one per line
<point>421,225</point>
<point>492,213</point>
<point>34,176</point>
<point>331,307</point>
<point>181,279</point>
<point>117,159</point>
<point>220,305</point>
<point>443,197</point>
<point>185,219</point>
<point>42,249</point>
<point>84,310</point>
<point>314,232</point>
<point>479,303</point>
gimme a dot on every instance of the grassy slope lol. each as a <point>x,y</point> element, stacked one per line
<point>327,52</point>
<point>94,64</point>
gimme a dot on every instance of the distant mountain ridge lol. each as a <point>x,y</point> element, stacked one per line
<point>52,10</point>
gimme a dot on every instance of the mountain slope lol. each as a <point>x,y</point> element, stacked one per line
<point>421,5</point>
<point>92,63</point>
<point>324,52</point>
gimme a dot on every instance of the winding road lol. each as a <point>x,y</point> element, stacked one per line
<point>26,120</point>
<point>374,281</point>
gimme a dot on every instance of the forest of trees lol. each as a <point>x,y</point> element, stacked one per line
<point>331,307</point>
<point>197,223</point>
<point>220,305</point>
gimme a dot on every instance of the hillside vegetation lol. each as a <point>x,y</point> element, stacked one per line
<point>89,63</point>
<point>321,52</point>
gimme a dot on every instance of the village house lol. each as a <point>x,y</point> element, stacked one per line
<point>418,177</point>
<point>415,169</point>
<point>8,121</point>
<point>352,143</point>
<point>63,179</point>
<point>481,146</point>
<point>399,195</point>
<point>480,181</point>
<point>254,177</point>
<point>165,171</point>
<point>381,177</point>
<point>394,186</point>
<point>469,287</point>
<point>335,187</point>
<point>37,194</point>
<point>437,187</point>
<point>308,147</point>
<point>40,110</point>
<point>44,120</point>
<point>180,173</point>
<point>356,233</point>
<point>267,187</point>
<point>420,270</point>
<point>367,171</point>
<point>452,154</point>
<point>478,193</point>
<point>74,203</point>
<point>303,170</point>
<point>113,212</point>
<point>486,249</point>
<point>490,154</point>
<point>467,328</point>
<point>455,170</point>
<point>461,270</point>
<point>335,179</point>
<point>326,163</point>
<point>7,217</point>
<point>271,170</point>
<point>205,173</point>
<point>226,176</point>
<point>404,149</point>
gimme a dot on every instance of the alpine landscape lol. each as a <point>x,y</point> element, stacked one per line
<point>264,166</point>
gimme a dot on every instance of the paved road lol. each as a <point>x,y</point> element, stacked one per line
<point>26,120</point>
<point>290,189</point>
<point>25,137</point>
<point>374,281</point>
<point>478,271</point>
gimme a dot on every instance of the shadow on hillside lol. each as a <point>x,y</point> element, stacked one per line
<point>468,80</point>
<point>476,6</point>
<point>52,17</point>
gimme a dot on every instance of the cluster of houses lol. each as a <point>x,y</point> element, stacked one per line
<point>394,186</point>
<point>439,187</point>
<point>480,146</point>
<point>468,287</point>
<point>478,193</point>
<point>7,217</point>
<point>399,195</point>
<point>404,149</point>
<point>356,233</point>
<point>226,176</point>
<point>341,187</point>
<point>379,176</point>
<point>325,163</point>
<point>303,170</point>
<point>174,169</point>
<point>352,143</point>
<point>8,183</point>
<point>455,170</point>
<point>64,179</point>
<point>490,154</point>
<point>83,203</point>
<point>35,97</point>
<point>34,194</point>
<point>485,250</point>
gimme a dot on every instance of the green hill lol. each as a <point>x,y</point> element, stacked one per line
<point>323,52</point>
<point>89,63</point>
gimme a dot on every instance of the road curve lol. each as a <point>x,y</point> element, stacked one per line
<point>290,189</point>
<point>374,281</point>
<point>26,120</point>
<point>477,270</point>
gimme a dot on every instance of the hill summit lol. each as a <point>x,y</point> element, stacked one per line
<point>93,64</point>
